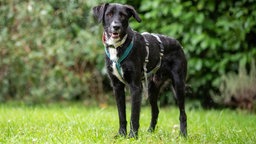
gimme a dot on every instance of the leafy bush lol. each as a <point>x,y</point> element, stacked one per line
<point>216,36</point>
<point>47,51</point>
<point>238,90</point>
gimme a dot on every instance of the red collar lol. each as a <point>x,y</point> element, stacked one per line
<point>103,38</point>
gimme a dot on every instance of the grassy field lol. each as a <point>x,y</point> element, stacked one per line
<point>76,123</point>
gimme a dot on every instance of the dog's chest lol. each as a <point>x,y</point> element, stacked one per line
<point>113,54</point>
<point>115,65</point>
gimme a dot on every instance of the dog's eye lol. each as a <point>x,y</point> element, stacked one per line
<point>110,14</point>
<point>122,15</point>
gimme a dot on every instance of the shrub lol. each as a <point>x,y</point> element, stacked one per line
<point>239,90</point>
<point>47,52</point>
<point>216,36</point>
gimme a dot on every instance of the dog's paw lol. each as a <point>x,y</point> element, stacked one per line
<point>151,130</point>
<point>121,133</point>
<point>183,132</point>
<point>183,129</point>
<point>119,136</point>
<point>133,134</point>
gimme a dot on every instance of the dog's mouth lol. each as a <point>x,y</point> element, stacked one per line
<point>115,35</point>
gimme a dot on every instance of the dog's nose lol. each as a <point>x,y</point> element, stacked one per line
<point>116,27</point>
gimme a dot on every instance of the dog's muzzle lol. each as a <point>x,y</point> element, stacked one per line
<point>115,29</point>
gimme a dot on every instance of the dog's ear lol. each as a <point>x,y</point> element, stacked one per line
<point>98,11</point>
<point>133,12</point>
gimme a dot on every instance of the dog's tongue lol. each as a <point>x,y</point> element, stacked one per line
<point>115,35</point>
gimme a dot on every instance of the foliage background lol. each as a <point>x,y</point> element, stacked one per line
<point>51,50</point>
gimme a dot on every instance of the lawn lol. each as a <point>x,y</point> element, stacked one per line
<point>76,123</point>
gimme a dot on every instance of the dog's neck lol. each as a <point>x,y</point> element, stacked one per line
<point>113,43</point>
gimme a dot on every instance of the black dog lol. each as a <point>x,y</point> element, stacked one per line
<point>133,58</point>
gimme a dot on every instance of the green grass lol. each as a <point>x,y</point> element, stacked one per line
<point>80,124</point>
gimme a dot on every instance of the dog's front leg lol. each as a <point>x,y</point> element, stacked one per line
<point>136,90</point>
<point>119,93</point>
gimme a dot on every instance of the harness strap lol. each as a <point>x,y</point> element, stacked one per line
<point>160,55</point>
<point>145,83</point>
<point>147,74</point>
<point>117,63</point>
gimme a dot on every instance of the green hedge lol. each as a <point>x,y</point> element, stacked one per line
<point>216,36</point>
<point>51,50</point>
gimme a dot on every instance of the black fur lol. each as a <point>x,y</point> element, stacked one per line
<point>173,66</point>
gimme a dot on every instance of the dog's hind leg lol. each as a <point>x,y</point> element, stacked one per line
<point>154,88</point>
<point>179,87</point>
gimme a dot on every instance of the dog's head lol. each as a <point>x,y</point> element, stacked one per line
<point>115,18</point>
